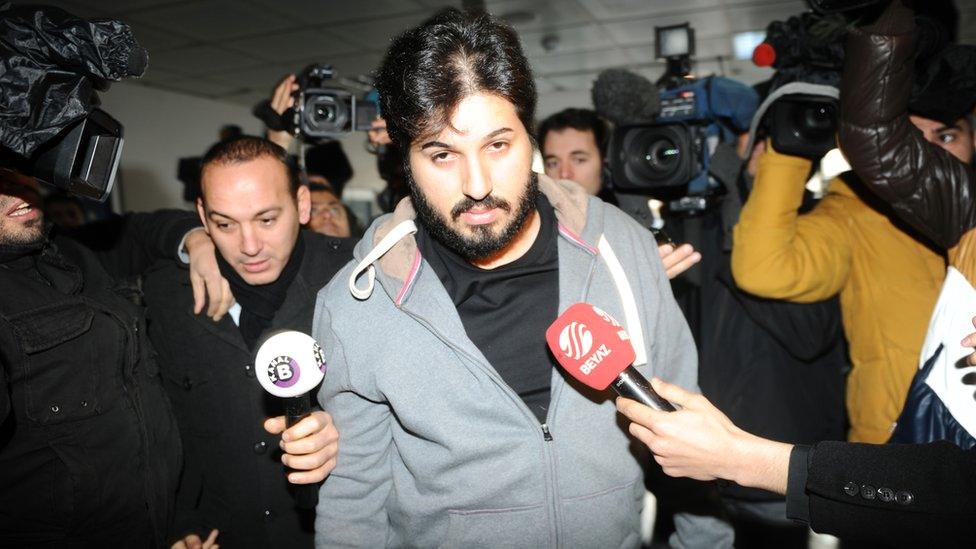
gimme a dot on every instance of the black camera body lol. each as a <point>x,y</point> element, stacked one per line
<point>803,125</point>
<point>84,160</point>
<point>672,156</point>
<point>323,111</point>
<point>801,112</point>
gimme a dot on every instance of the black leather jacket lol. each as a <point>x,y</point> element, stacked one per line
<point>928,187</point>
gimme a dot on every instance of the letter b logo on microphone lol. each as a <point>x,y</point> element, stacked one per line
<point>283,371</point>
<point>575,341</point>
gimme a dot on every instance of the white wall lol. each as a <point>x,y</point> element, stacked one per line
<point>553,102</point>
<point>162,127</point>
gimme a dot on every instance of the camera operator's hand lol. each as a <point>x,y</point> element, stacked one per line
<point>678,260</point>
<point>209,286</point>
<point>282,100</point>
<point>193,541</point>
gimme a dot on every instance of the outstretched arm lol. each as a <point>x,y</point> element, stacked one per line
<point>928,187</point>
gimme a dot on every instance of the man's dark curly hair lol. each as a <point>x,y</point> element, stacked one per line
<point>584,120</point>
<point>430,69</point>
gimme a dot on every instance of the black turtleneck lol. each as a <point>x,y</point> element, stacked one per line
<point>260,303</point>
<point>506,310</point>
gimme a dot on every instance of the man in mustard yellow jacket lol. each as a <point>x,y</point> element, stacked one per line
<point>888,280</point>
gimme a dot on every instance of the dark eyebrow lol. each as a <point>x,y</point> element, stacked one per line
<point>259,214</point>
<point>497,132</point>
<point>491,135</point>
<point>430,144</point>
<point>579,152</point>
<point>941,129</point>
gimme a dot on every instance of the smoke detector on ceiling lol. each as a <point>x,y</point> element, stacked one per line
<point>550,42</point>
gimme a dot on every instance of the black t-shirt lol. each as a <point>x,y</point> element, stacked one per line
<point>506,310</point>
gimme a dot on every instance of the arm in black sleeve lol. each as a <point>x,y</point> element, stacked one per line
<point>911,495</point>
<point>128,245</point>
<point>928,187</point>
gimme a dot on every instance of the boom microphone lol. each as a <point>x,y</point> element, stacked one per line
<point>596,350</point>
<point>625,98</point>
<point>288,365</point>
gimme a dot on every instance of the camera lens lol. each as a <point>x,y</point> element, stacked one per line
<point>658,155</point>
<point>815,121</point>
<point>662,155</point>
<point>325,114</point>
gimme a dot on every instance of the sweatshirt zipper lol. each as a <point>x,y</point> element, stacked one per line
<point>547,450</point>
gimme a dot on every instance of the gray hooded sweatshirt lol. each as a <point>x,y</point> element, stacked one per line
<point>436,450</point>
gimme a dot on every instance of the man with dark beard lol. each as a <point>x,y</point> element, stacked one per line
<point>457,430</point>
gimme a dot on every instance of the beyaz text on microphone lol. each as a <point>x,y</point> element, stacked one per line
<point>596,350</point>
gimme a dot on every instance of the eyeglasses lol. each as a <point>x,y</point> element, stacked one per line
<point>334,210</point>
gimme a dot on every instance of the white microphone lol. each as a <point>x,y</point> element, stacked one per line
<point>289,365</point>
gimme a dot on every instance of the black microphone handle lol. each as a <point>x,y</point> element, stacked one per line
<point>631,384</point>
<point>298,408</point>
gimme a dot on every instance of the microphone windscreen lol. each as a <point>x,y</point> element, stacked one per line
<point>624,97</point>
<point>289,364</point>
<point>590,345</point>
<point>137,61</point>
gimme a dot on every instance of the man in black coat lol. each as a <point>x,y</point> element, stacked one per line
<point>235,487</point>
<point>89,450</point>
<point>903,495</point>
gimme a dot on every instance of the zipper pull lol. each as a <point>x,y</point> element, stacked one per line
<point>545,433</point>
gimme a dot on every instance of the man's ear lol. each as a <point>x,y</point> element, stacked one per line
<point>202,214</point>
<point>304,198</point>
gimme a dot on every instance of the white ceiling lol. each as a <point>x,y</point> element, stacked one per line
<point>236,50</point>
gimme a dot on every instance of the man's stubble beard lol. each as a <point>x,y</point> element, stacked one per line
<point>486,242</point>
<point>29,234</point>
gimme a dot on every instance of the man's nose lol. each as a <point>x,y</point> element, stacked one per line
<point>477,182</point>
<point>250,243</point>
<point>566,171</point>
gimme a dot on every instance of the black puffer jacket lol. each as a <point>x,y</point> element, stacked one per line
<point>927,186</point>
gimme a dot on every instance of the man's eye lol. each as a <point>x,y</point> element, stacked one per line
<point>552,165</point>
<point>442,156</point>
<point>946,138</point>
<point>268,221</point>
<point>579,160</point>
<point>223,226</point>
<point>498,145</point>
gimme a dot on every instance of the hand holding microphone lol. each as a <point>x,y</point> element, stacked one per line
<point>596,350</point>
<point>288,365</point>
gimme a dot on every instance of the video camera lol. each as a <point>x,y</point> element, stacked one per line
<point>321,111</point>
<point>53,63</point>
<point>800,113</point>
<point>671,155</point>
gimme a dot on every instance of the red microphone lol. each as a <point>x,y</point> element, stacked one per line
<point>596,350</point>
